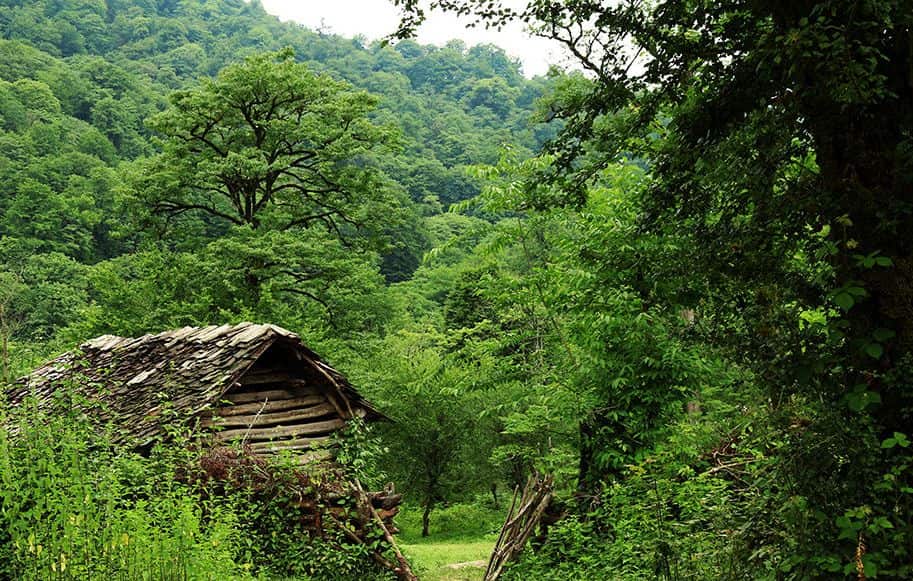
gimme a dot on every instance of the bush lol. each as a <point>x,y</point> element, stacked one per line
<point>651,526</point>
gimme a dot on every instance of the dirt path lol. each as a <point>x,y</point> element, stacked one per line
<point>464,565</point>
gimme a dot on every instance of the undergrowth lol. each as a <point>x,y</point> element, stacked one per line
<point>73,505</point>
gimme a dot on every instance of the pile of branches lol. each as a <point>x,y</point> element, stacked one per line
<point>318,498</point>
<point>522,519</point>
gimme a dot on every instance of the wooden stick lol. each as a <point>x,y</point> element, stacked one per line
<point>510,512</point>
<point>333,382</point>
<point>332,400</point>
<point>351,534</point>
<point>519,525</point>
<point>244,439</point>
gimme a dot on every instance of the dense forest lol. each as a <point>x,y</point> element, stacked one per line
<point>675,278</point>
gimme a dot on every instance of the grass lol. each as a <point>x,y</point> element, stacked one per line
<point>462,536</point>
<point>434,561</point>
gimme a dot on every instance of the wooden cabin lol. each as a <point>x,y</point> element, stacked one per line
<point>253,384</point>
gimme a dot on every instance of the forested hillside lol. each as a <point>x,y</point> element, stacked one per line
<point>80,81</point>
<point>676,281</point>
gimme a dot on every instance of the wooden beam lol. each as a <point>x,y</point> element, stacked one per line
<point>336,405</point>
<point>281,431</point>
<point>260,396</point>
<point>315,456</point>
<point>274,418</point>
<point>270,376</point>
<point>271,406</point>
<point>294,444</point>
<point>319,367</point>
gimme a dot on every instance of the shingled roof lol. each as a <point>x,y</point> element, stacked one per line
<point>190,369</point>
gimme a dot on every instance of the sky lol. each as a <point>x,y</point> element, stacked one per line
<point>375,19</point>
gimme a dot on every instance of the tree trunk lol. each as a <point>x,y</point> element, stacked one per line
<point>426,518</point>
<point>586,450</point>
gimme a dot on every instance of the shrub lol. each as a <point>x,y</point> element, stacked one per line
<point>464,520</point>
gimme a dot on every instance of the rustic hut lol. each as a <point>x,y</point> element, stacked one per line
<point>255,384</point>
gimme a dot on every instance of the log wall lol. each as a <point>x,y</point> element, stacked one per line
<point>272,409</point>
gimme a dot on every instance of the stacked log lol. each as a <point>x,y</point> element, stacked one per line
<point>273,411</point>
<point>386,504</point>
<point>331,501</point>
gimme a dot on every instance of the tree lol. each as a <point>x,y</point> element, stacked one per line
<point>431,444</point>
<point>267,143</point>
<point>258,158</point>
<point>494,94</point>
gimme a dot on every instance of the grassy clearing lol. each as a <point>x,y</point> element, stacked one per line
<point>450,560</point>
<point>462,536</point>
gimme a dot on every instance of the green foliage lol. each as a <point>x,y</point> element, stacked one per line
<point>693,308</point>
<point>266,143</point>
<point>75,507</point>
<point>118,215</point>
<point>360,453</point>
<point>429,441</point>
<point>461,520</point>
<point>79,82</point>
<point>274,540</point>
<point>772,222</point>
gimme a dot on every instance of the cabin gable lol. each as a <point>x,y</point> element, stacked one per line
<point>280,403</point>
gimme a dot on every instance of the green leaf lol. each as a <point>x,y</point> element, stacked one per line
<point>844,300</point>
<point>883,522</point>
<point>859,400</point>
<point>881,334</point>
<point>874,350</point>
<point>889,443</point>
<point>884,261</point>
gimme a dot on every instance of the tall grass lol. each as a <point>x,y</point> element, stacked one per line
<point>73,506</point>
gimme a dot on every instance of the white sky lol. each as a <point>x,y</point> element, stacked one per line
<point>375,19</point>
